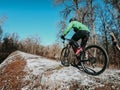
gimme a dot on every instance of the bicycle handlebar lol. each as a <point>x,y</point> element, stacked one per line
<point>66,39</point>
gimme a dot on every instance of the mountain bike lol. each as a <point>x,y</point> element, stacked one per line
<point>93,59</point>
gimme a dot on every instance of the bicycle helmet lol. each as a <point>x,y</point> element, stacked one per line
<point>73,19</point>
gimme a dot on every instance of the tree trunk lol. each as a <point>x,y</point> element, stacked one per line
<point>114,40</point>
<point>106,41</point>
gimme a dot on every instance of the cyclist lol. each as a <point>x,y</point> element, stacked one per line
<point>81,32</point>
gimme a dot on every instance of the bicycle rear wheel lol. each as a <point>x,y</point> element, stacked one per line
<point>94,60</point>
<point>64,58</point>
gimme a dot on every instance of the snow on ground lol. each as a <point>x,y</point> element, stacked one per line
<point>51,74</point>
<point>46,74</point>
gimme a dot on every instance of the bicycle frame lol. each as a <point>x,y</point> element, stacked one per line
<point>73,48</point>
<point>69,45</point>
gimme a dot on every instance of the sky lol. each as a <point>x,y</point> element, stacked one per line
<point>31,18</point>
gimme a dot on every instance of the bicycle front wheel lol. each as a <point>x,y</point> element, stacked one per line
<point>64,58</point>
<point>94,60</point>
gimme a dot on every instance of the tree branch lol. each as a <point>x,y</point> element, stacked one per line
<point>114,40</point>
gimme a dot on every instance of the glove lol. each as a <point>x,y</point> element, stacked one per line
<point>62,37</point>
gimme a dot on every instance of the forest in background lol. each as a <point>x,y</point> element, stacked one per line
<point>101,17</point>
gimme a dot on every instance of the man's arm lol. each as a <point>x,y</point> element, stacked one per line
<point>69,27</point>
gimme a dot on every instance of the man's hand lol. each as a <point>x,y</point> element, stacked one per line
<point>62,37</point>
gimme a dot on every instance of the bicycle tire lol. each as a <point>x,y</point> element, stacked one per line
<point>64,58</point>
<point>102,53</point>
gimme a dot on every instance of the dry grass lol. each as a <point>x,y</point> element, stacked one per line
<point>11,77</point>
<point>109,86</point>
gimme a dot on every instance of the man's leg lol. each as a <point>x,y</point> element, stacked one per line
<point>85,37</point>
<point>84,42</point>
<point>75,38</point>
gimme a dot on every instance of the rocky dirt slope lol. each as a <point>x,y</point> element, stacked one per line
<point>22,71</point>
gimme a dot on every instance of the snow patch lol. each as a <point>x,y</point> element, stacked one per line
<point>38,66</point>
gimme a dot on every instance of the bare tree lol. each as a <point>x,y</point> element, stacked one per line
<point>104,27</point>
<point>2,19</point>
<point>31,45</point>
<point>115,3</point>
<point>52,51</point>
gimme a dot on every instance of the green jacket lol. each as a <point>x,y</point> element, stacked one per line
<point>75,25</point>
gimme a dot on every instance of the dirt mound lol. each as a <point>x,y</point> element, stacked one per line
<point>22,71</point>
